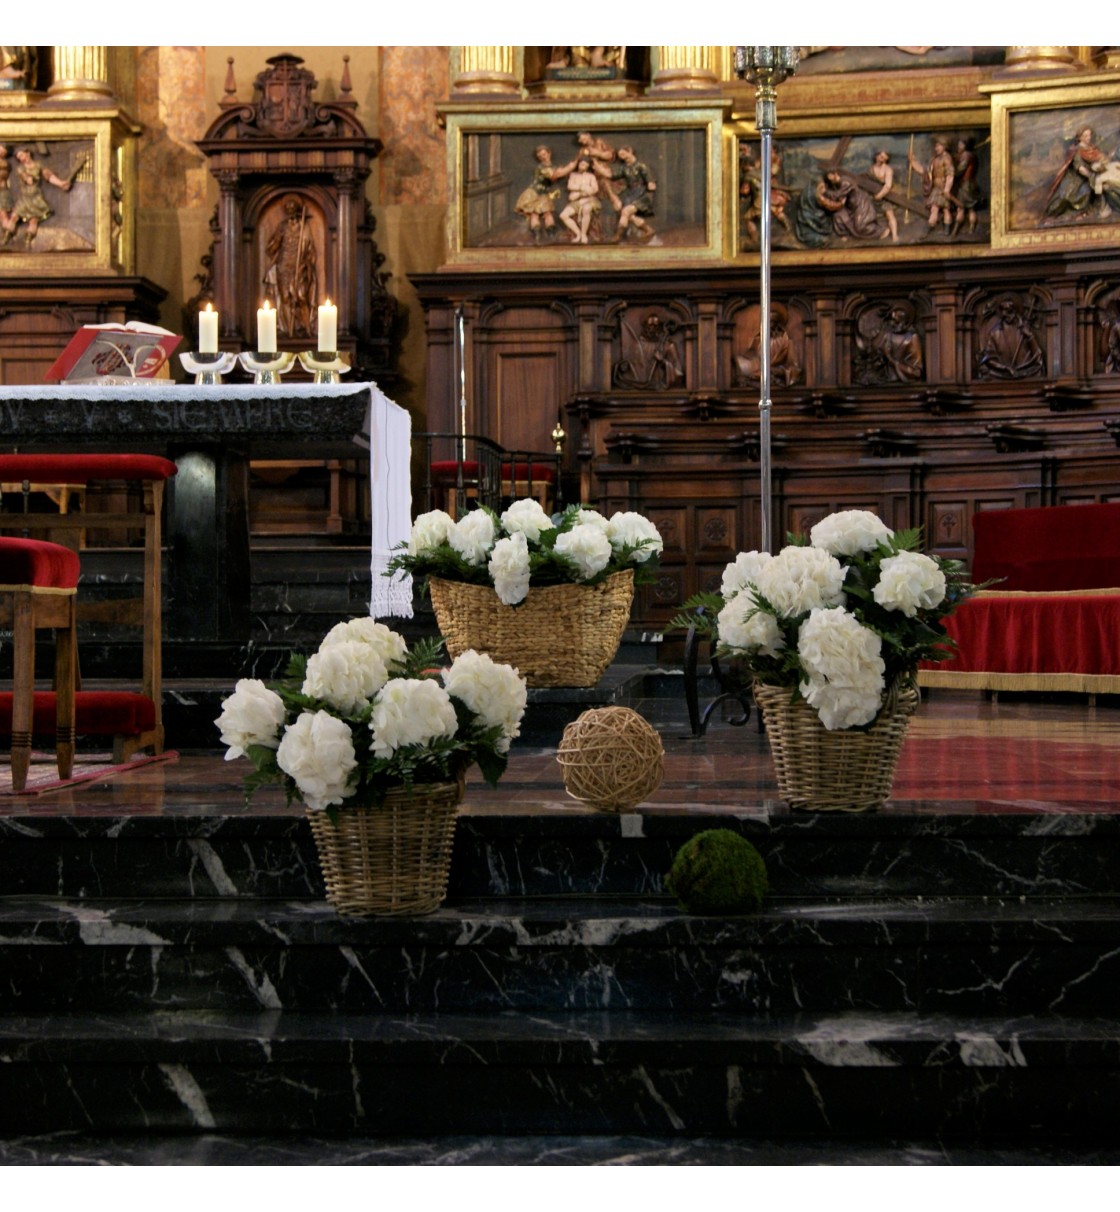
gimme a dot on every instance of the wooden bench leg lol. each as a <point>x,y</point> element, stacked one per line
<point>23,686</point>
<point>66,653</point>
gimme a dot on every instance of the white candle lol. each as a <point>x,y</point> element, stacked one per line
<point>208,330</point>
<point>266,329</point>
<point>328,327</point>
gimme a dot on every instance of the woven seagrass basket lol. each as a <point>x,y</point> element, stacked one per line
<point>392,859</point>
<point>560,635</point>
<point>848,770</point>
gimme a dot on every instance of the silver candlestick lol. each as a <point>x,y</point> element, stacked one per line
<point>208,368</point>
<point>266,368</point>
<point>323,365</point>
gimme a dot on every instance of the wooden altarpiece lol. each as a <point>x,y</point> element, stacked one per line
<point>292,222</point>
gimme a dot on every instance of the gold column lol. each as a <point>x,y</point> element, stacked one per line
<point>487,69</point>
<point>685,68</point>
<point>80,73</point>
<point>1041,58</point>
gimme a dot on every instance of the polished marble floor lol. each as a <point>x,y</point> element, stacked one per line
<point>963,753</point>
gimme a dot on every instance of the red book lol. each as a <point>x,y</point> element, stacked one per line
<point>113,351</point>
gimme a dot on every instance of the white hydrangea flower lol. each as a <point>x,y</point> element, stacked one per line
<point>347,674</point>
<point>587,547</point>
<point>252,715</point>
<point>473,536</point>
<point>590,517</point>
<point>429,531</point>
<point>388,644</point>
<point>410,711</point>
<point>631,528</point>
<point>850,532</point>
<point>742,626</point>
<point>317,751</point>
<point>509,569</point>
<point>909,582</point>
<point>495,693</point>
<point>527,517</point>
<point>844,668</point>
<point>743,572</point>
<point>798,579</point>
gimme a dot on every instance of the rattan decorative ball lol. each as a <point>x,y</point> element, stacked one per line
<point>612,758</point>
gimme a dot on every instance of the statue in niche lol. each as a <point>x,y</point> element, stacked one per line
<point>888,348</point>
<point>650,359</point>
<point>1109,317</point>
<point>18,67</point>
<point>292,276</point>
<point>785,367</point>
<point>1008,347</point>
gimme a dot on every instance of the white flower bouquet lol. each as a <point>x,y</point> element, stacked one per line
<point>364,715</point>
<point>838,619</point>
<point>525,547</point>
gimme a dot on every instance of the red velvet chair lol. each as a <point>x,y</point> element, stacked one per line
<point>38,589</point>
<point>135,721</point>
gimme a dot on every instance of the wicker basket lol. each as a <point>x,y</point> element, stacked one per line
<point>560,635</point>
<point>392,859</point>
<point>848,770</point>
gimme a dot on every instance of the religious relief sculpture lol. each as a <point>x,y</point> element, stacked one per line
<point>785,355</point>
<point>887,346</point>
<point>292,277</point>
<point>650,359</point>
<point>28,205</point>
<point>586,62</point>
<point>1108,315</point>
<point>863,190</point>
<point>1009,348</point>
<point>19,65</point>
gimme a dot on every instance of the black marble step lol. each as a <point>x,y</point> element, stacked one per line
<point>74,1148</point>
<point>977,956</point>
<point>846,1075</point>
<point>213,853</point>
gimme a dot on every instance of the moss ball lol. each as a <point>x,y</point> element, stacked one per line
<point>718,871</point>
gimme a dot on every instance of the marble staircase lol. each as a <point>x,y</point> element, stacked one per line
<point>935,976</point>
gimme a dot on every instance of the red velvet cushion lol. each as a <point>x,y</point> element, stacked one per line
<point>81,468</point>
<point>446,470</point>
<point>1059,547</point>
<point>96,713</point>
<point>34,562</point>
<point>525,471</point>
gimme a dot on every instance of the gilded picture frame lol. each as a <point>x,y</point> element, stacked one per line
<point>1056,168</point>
<point>580,184</point>
<point>864,187</point>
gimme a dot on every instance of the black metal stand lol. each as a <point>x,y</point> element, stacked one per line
<point>731,688</point>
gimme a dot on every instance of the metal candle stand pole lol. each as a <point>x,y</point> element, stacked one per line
<point>765,67</point>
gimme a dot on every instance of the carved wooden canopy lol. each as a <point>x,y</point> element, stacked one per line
<point>293,223</point>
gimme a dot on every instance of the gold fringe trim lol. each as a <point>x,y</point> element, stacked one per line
<point>37,589</point>
<point>1082,683</point>
<point>1044,594</point>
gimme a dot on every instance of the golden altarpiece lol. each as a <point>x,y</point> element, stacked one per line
<point>945,328</point>
<point>68,200</point>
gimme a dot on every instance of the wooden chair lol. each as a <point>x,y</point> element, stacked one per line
<point>135,721</point>
<point>38,590</point>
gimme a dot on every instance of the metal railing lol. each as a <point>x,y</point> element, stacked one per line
<point>478,469</point>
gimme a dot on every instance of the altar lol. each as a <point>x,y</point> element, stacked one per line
<point>212,433</point>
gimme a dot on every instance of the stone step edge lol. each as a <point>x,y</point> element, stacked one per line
<point>558,922</point>
<point>597,1038</point>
